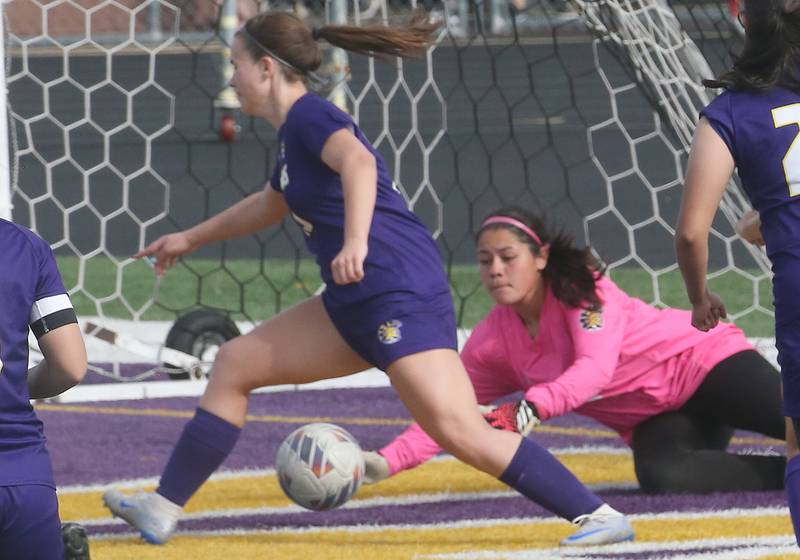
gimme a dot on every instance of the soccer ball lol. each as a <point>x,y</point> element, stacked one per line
<point>320,466</point>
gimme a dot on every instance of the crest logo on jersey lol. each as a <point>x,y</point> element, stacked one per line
<point>284,167</point>
<point>284,177</point>
<point>389,332</point>
<point>592,320</point>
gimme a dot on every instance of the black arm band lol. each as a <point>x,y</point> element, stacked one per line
<point>52,321</point>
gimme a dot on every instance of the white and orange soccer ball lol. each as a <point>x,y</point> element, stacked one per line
<point>320,466</point>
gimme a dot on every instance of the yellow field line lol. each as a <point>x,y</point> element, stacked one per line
<point>436,477</point>
<point>355,421</point>
<point>167,413</point>
<point>402,544</point>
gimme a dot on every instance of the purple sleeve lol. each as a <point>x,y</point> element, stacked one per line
<point>52,307</point>
<point>719,115</point>
<point>49,282</point>
<point>314,127</point>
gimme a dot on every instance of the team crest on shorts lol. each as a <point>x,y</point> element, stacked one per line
<point>591,320</point>
<point>389,332</point>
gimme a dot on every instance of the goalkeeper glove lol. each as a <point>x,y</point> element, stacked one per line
<point>519,417</point>
<point>376,467</point>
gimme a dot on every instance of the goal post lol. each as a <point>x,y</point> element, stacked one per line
<point>5,169</point>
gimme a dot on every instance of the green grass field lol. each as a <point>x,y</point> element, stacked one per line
<point>254,290</point>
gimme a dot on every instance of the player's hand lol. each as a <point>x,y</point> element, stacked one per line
<point>707,313</point>
<point>166,250</point>
<point>519,417</point>
<point>376,467</point>
<point>348,266</point>
<point>749,228</point>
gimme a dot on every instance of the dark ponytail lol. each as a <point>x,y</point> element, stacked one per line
<point>771,54</point>
<point>571,273</point>
<point>287,38</point>
<point>409,40</point>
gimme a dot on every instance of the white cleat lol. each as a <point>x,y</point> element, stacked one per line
<point>600,527</point>
<point>152,514</point>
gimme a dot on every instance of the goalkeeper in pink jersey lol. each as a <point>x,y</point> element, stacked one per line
<point>571,340</point>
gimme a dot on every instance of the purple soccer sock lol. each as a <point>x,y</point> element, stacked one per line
<point>537,475</point>
<point>792,483</point>
<point>204,444</point>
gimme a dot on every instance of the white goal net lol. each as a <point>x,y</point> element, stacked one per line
<point>120,128</point>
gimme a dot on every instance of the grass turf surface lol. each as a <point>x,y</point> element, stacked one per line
<point>254,289</point>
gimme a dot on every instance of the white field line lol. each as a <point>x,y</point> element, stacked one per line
<point>785,540</point>
<point>745,549</point>
<point>416,499</point>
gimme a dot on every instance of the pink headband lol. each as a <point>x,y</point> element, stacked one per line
<point>512,222</point>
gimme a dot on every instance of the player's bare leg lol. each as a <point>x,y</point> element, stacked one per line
<point>436,389</point>
<point>299,345</point>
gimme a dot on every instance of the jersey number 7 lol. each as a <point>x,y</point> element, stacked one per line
<point>785,116</point>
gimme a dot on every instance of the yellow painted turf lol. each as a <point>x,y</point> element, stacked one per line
<point>361,421</point>
<point>397,544</point>
<point>447,476</point>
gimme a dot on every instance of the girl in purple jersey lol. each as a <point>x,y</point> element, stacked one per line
<point>753,126</point>
<point>387,300</point>
<point>33,298</point>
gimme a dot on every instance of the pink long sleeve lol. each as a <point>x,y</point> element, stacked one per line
<point>411,448</point>
<point>596,339</point>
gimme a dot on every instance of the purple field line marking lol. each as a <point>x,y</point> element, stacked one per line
<point>457,510</point>
<point>74,438</point>
<point>347,524</point>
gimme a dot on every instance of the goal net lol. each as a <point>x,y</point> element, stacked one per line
<point>121,128</point>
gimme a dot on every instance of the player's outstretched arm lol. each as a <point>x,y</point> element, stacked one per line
<point>408,450</point>
<point>251,214</point>
<point>748,227</point>
<point>64,363</point>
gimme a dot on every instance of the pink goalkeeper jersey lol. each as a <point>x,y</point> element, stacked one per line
<point>620,366</point>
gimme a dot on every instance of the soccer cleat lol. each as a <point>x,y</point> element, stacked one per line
<point>76,543</point>
<point>600,528</point>
<point>152,514</point>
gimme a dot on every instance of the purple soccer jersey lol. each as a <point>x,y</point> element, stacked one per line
<point>32,295</point>
<point>762,132</point>
<point>402,257</point>
<point>761,129</point>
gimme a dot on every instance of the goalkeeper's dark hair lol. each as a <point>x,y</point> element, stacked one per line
<point>571,272</point>
<point>296,45</point>
<point>771,53</point>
